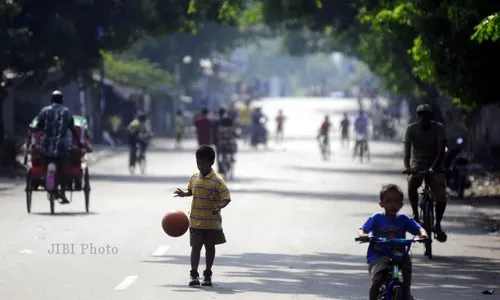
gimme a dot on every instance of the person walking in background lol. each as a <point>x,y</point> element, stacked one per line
<point>179,129</point>
<point>280,120</point>
<point>246,120</point>
<point>204,128</point>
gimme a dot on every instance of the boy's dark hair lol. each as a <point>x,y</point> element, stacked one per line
<point>391,188</point>
<point>205,152</point>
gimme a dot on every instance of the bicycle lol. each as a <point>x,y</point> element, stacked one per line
<point>138,156</point>
<point>141,160</point>
<point>324,146</point>
<point>426,209</point>
<point>393,289</point>
<point>226,166</point>
<point>361,147</point>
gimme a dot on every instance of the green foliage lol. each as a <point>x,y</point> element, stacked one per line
<point>70,34</point>
<point>488,29</point>
<point>418,48</point>
<point>140,74</point>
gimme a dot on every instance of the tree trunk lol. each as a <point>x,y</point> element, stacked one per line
<point>2,128</point>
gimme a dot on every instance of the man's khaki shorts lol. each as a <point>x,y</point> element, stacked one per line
<point>437,184</point>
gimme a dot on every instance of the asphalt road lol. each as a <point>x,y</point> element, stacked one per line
<point>290,228</point>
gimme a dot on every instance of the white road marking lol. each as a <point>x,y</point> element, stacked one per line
<point>126,282</point>
<point>26,251</point>
<point>161,250</point>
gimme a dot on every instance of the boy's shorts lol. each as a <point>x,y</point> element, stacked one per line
<point>382,264</point>
<point>207,237</point>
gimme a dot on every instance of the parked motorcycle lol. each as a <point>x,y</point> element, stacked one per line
<point>457,172</point>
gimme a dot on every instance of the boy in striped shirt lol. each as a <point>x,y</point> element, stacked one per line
<point>210,195</point>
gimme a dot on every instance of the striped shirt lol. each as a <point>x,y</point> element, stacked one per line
<point>208,193</point>
<point>55,120</point>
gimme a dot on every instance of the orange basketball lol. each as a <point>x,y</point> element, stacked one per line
<point>175,223</point>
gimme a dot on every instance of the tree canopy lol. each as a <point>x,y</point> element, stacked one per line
<point>419,48</point>
<point>138,73</point>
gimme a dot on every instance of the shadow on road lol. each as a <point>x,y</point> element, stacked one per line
<point>323,275</point>
<point>148,179</point>
<point>192,150</point>
<point>350,171</point>
<point>64,214</point>
<point>344,276</point>
<point>394,155</point>
<point>310,195</point>
<point>467,223</point>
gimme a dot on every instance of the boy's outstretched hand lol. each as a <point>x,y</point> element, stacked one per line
<point>180,193</point>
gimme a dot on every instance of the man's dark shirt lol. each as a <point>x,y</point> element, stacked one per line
<point>55,120</point>
<point>224,131</point>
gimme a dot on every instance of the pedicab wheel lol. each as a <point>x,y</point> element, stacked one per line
<point>86,189</point>
<point>29,191</point>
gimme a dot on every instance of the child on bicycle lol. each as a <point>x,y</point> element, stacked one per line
<point>324,130</point>
<point>210,195</point>
<point>389,224</point>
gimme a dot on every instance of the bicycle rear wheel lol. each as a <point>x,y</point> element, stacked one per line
<point>142,164</point>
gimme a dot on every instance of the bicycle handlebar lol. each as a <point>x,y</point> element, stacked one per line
<point>426,172</point>
<point>389,241</point>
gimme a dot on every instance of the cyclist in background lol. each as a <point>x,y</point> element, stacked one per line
<point>344,130</point>
<point>361,124</point>
<point>138,135</point>
<point>324,131</point>
<point>225,138</point>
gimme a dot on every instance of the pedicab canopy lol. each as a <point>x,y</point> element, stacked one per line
<point>79,122</point>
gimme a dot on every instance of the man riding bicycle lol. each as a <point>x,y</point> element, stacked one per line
<point>361,124</point>
<point>324,131</point>
<point>225,139</point>
<point>54,121</point>
<point>424,151</point>
<point>138,134</point>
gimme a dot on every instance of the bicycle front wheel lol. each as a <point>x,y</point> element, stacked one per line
<point>427,220</point>
<point>397,293</point>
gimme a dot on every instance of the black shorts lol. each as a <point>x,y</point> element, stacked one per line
<point>207,237</point>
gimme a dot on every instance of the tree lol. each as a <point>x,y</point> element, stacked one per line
<point>138,73</point>
<point>208,39</point>
<point>488,29</point>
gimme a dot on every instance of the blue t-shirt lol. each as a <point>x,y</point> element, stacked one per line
<point>383,227</point>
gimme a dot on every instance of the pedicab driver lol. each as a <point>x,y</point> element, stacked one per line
<point>54,121</point>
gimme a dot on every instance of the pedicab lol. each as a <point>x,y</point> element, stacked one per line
<point>75,172</point>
